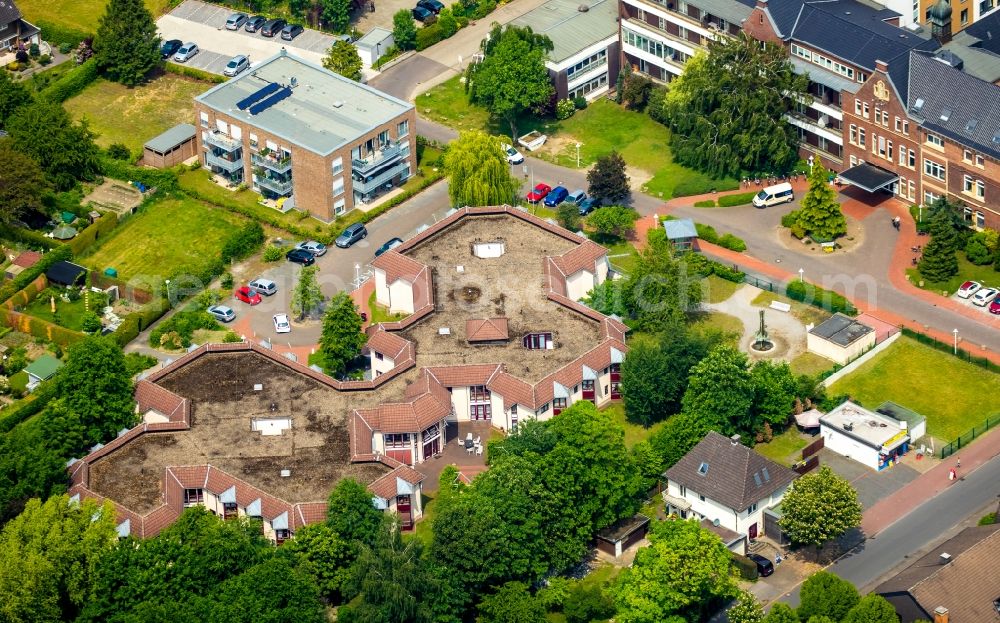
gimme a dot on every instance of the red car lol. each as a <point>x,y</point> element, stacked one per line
<point>995,306</point>
<point>538,193</point>
<point>247,295</point>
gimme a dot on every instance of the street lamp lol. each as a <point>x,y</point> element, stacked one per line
<point>378,56</point>
<point>810,163</point>
<point>578,155</point>
<point>168,292</point>
<point>802,272</point>
<point>955,333</point>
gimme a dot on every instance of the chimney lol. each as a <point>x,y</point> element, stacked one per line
<point>761,4</point>
<point>940,615</point>
<point>735,439</point>
<point>945,558</point>
<point>882,66</point>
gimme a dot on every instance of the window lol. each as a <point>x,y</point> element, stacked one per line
<point>253,140</point>
<point>338,165</point>
<point>854,134</point>
<point>910,190</point>
<point>588,385</point>
<point>378,356</point>
<point>857,107</point>
<point>545,408</point>
<point>684,491</point>
<point>701,497</point>
<point>933,169</point>
<point>864,112</point>
<point>899,126</point>
<point>980,189</point>
<point>703,469</point>
<point>881,146</point>
<point>906,128</point>
<point>930,197</point>
<point>966,155</point>
<point>935,140</point>
<point>861,137</point>
<point>965,16</point>
<point>479,393</point>
<point>878,114</point>
<point>889,150</point>
<point>641,15</point>
<point>967,214</point>
<point>204,119</point>
<point>338,187</point>
<point>383,137</point>
<point>591,85</point>
<point>537,341</point>
<point>980,219</point>
<point>193,496</point>
<point>912,160</point>
<point>967,184</point>
<point>594,61</point>
<point>760,17</point>
<point>885,118</point>
<point>398,440</point>
<point>481,412</point>
<point>752,509</point>
<point>338,206</point>
<point>902,156</point>
<point>558,403</point>
<point>979,161</point>
<point>402,129</point>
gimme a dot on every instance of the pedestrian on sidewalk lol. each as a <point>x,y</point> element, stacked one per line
<point>896,223</point>
<point>951,474</point>
<point>958,463</point>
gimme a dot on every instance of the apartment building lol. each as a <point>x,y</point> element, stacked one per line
<point>962,14</point>
<point>584,60</point>
<point>305,137</point>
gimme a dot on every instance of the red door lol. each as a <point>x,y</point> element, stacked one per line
<point>403,508</point>
<point>403,456</point>
<point>431,448</point>
<point>752,532</point>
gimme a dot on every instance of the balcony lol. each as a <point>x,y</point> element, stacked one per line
<point>229,166</point>
<point>223,142</point>
<point>372,184</point>
<point>389,154</point>
<point>276,186</point>
<point>272,164</point>
<point>813,126</point>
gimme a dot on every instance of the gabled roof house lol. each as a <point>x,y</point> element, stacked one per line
<point>15,32</point>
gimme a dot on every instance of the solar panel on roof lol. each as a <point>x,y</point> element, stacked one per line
<point>261,93</point>
<point>271,101</point>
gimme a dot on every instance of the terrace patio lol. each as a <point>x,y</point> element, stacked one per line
<point>455,453</point>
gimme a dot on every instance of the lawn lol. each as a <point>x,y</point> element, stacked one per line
<point>633,432</point>
<point>199,183</point>
<point>967,271</point>
<point>170,236</point>
<point>810,363</point>
<point>805,314</point>
<point>717,289</point>
<point>68,314</point>
<point>730,325</point>
<point>785,448</point>
<point>377,314</point>
<point>623,255</point>
<point>950,393</point>
<point>77,14</point>
<point>447,103</point>
<point>133,116</point>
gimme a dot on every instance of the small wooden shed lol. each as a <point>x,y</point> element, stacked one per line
<point>622,534</point>
<point>172,147</point>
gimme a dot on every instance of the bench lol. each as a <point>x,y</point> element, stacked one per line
<point>778,305</point>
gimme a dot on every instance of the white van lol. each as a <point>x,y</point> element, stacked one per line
<point>773,195</point>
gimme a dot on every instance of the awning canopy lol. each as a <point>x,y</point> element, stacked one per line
<point>676,502</point>
<point>869,177</point>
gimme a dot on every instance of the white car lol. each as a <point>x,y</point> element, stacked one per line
<point>281,324</point>
<point>316,248</point>
<point>513,156</point>
<point>263,286</point>
<point>185,52</point>
<point>968,289</point>
<point>983,297</point>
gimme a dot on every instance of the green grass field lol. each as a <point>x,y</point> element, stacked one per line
<point>68,314</point>
<point>717,289</point>
<point>133,116</point>
<point>803,313</point>
<point>633,432</point>
<point>785,448</point>
<point>952,394</point>
<point>170,236</point>
<point>730,325</point>
<point>78,14</point>
<point>967,271</point>
<point>810,363</point>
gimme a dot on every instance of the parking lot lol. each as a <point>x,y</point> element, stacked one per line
<point>205,24</point>
<point>968,302</point>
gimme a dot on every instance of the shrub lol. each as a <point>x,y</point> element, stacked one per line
<point>707,203</point>
<point>91,323</point>
<point>745,567</point>
<point>92,233</point>
<point>818,297</point>
<point>65,38</point>
<point>736,200</point>
<point>118,152</point>
<point>231,338</point>
<point>243,243</point>
<point>21,57</point>
<point>587,603</point>
<point>707,233</point>
<point>191,72</point>
<point>428,36</point>
<point>227,281</point>
<point>728,273</point>
<point>798,231</point>
<point>153,178</point>
<point>733,243</point>
<point>790,219</point>
<point>565,109</point>
<point>137,362</point>
<point>580,102</point>
<point>554,593</point>
<point>44,60</point>
<point>33,50</point>
<point>697,185</point>
<point>976,250</point>
<point>24,409</point>
<point>71,83</point>
<point>177,330</point>
<point>273,254</point>
<point>64,48</point>
<point>988,519</point>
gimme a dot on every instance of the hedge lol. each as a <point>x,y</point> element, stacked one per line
<point>58,35</point>
<point>28,406</point>
<point>707,203</point>
<point>428,36</point>
<point>27,294</point>
<point>28,275</point>
<point>726,241</point>
<point>89,236</point>
<point>70,83</point>
<point>728,273</point>
<point>39,328</point>
<point>745,567</point>
<point>158,178</point>
<point>701,265</point>
<point>191,72</point>
<point>136,322</point>
<point>818,297</point>
<point>738,199</point>
<point>697,185</point>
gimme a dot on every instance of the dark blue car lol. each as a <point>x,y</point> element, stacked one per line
<point>556,196</point>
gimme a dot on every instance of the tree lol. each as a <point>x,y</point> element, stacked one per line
<point>512,603</point>
<point>342,337</point>
<point>337,15</point>
<point>306,297</point>
<point>568,215</point>
<point>726,111</point>
<point>478,173</point>
<point>351,514</point>
<point>46,554</point>
<point>781,613</point>
<point>270,591</point>
<point>820,215</point>
<point>447,23</point>
<point>96,387</point>
<point>404,30</point>
<point>645,383</point>
<point>684,571</point>
<point>127,47</point>
<point>659,293</point>
<point>22,182</point>
<point>720,391</point>
<point>607,180</point>
<point>512,77</point>
<point>325,556</point>
<point>13,96</point>
<point>746,609</point>
<point>613,222</point>
<point>939,261</point>
<point>819,507</point>
<point>343,58</point>
<point>872,609</point>
<point>680,433</point>
<point>825,594</point>
<point>586,603</point>
<point>774,388</point>
<point>65,150</point>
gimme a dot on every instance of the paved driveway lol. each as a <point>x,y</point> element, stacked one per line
<point>871,486</point>
<point>205,25</point>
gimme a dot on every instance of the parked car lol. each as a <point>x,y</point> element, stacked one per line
<point>576,197</point>
<point>538,193</point>
<point>248,295</point>
<point>281,324</point>
<point>434,6</point>
<point>968,289</point>
<point>764,566</point>
<point>421,14</point>
<point>301,257</point>
<point>557,196</point>
<point>344,37</point>
<point>995,306</point>
<point>221,313</point>
<point>513,156</point>
<point>588,205</point>
<point>272,27</point>
<point>263,286</point>
<point>236,65</point>
<point>254,23</point>
<point>169,48</point>
<point>316,248</point>
<point>984,296</point>
<point>352,234</point>
<point>236,21</point>
<point>388,246</point>
<point>290,31</point>
<point>185,52</point>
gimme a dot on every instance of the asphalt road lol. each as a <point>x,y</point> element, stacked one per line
<point>925,527</point>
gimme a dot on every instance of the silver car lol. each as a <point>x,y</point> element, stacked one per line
<point>222,313</point>
<point>263,286</point>
<point>316,248</point>
<point>236,21</point>
<point>236,65</point>
<point>186,51</point>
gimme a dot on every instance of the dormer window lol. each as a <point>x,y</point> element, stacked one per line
<point>703,469</point>
<point>537,341</point>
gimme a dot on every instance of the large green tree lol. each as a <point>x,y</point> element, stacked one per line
<point>774,388</point>
<point>47,555</point>
<point>13,95</point>
<point>65,150</point>
<point>273,590</point>
<point>127,47</point>
<point>478,173</point>
<point>512,78</point>
<point>746,609</point>
<point>511,603</point>
<point>939,260</point>
<point>819,507</point>
<point>342,337</point>
<point>660,292</point>
<point>781,613</point>
<point>872,609</point>
<point>820,215</point>
<point>825,594</point>
<point>351,514</point>
<point>22,182</point>
<point>337,16</point>
<point>684,572</point>
<point>606,180</point>
<point>343,59</point>
<point>613,222</point>
<point>325,556</point>
<point>655,374</point>
<point>96,387</point>
<point>307,296</point>
<point>404,30</point>
<point>726,111</point>
<point>720,391</point>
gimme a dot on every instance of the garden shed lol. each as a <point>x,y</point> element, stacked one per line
<point>172,147</point>
<point>42,369</point>
<point>622,534</point>
<point>681,233</point>
<point>66,274</point>
<point>840,338</point>
<point>374,44</point>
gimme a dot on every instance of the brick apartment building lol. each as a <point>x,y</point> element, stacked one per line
<point>305,137</point>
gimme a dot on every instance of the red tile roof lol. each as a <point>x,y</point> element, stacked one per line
<point>486,330</point>
<point>398,266</point>
<point>513,390</point>
<point>388,344</point>
<point>463,376</point>
<point>386,486</point>
<point>582,257</point>
<point>27,259</point>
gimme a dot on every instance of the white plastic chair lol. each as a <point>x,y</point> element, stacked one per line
<point>479,450</point>
<point>477,441</point>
